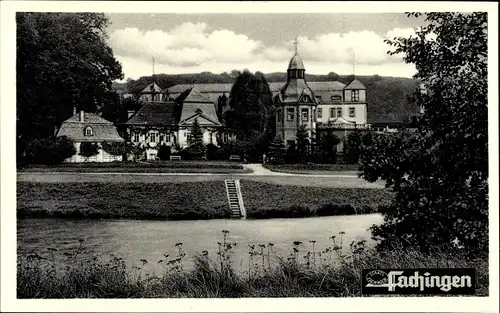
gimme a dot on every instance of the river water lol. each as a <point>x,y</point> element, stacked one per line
<point>134,240</point>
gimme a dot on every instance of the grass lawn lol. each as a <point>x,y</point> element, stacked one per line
<point>141,167</point>
<point>264,200</point>
<point>311,168</point>
<point>190,200</point>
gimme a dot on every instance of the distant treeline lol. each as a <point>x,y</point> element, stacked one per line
<point>387,97</point>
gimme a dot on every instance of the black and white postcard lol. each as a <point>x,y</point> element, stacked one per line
<point>249,156</point>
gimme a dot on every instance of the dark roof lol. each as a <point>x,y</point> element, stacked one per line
<point>192,95</point>
<point>355,84</point>
<point>102,129</point>
<point>156,88</point>
<point>156,113</point>
<point>206,110</point>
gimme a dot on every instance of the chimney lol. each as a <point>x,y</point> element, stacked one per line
<point>74,109</point>
<point>82,116</point>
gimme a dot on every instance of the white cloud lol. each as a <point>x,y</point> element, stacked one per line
<point>192,47</point>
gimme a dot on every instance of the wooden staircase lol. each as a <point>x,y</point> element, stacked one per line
<point>235,199</point>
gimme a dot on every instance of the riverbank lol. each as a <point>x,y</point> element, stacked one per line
<point>306,272</point>
<point>191,200</point>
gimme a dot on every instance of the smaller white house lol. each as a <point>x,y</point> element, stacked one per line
<point>89,127</point>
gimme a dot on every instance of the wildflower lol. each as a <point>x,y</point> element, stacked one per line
<point>262,246</point>
<point>178,244</point>
<point>165,255</point>
<point>81,240</point>
<point>296,243</point>
<point>205,252</point>
<point>295,250</point>
<point>333,237</point>
<point>312,241</point>
<point>225,231</point>
<point>342,233</point>
<point>144,261</point>
<point>271,244</point>
<point>160,261</point>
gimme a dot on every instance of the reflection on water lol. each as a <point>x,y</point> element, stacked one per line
<point>134,240</point>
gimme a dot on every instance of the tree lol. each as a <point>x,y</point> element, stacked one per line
<point>49,150</point>
<point>114,148</point>
<point>352,144</point>
<point>328,146</point>
<point>88,149</point>
<point>195,142</point>
<point>164,152</point>
<point>251,112</point>
<point>302,142</point>
<point>440,173</point>
<point>63,60</point>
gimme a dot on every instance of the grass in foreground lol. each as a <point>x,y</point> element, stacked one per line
<point>304,273</point>
<point>190,200</point>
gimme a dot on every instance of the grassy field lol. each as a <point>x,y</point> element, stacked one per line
<point>190,200</point>
<point>141,167</point>
<point>306,272</point>
<point>313,169</point>
<point>264,200</point>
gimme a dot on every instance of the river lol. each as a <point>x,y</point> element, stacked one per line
<point>134,240</point>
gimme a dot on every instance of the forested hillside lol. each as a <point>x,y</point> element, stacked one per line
<point>387,96</point>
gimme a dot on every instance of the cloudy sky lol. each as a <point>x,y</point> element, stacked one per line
<point>193,43</point>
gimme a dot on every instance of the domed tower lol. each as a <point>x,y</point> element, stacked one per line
<point>295,103</point>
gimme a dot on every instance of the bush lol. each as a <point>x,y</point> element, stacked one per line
<point>88,149</point>
<point>50,150</point>
<point>164,152</point>
<point>212,152</point>
<point>114,148</point>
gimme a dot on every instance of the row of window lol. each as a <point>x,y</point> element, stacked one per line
<point>354,97</point>
<point>334,112</point>
<point>153,137</point>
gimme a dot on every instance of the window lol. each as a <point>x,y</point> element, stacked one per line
<point>336,98</point>
<point>290,114</point>
<point>88,131</point>
<point>355,95</point>
<point>278,113</point>
<point>136,137</point>
<point>305,114</point>
<point>339,112</point>
<point>319,113</point>
<point>352,112</point>
<point>319,98</point>
<point>152,137</point>
<point>332,112</point>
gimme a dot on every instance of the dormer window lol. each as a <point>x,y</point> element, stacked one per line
<point>336,98</point>
<point>88,131</point>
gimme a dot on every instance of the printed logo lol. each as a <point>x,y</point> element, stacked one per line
<point>453,281</point>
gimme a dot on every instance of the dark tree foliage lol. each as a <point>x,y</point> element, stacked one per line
<point>212,152</point>
<point>251,113</point>
<point>114,148</point>
<point>63,60</point>
<point>302,143</point>
<point>137,151</point>
<point>352,145</point>
<point>439,173</point>
<point>49,150</point>
<point>196,149</point>
<point>164,152</point>
<point>88,149</point>
<point>328,147</point>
